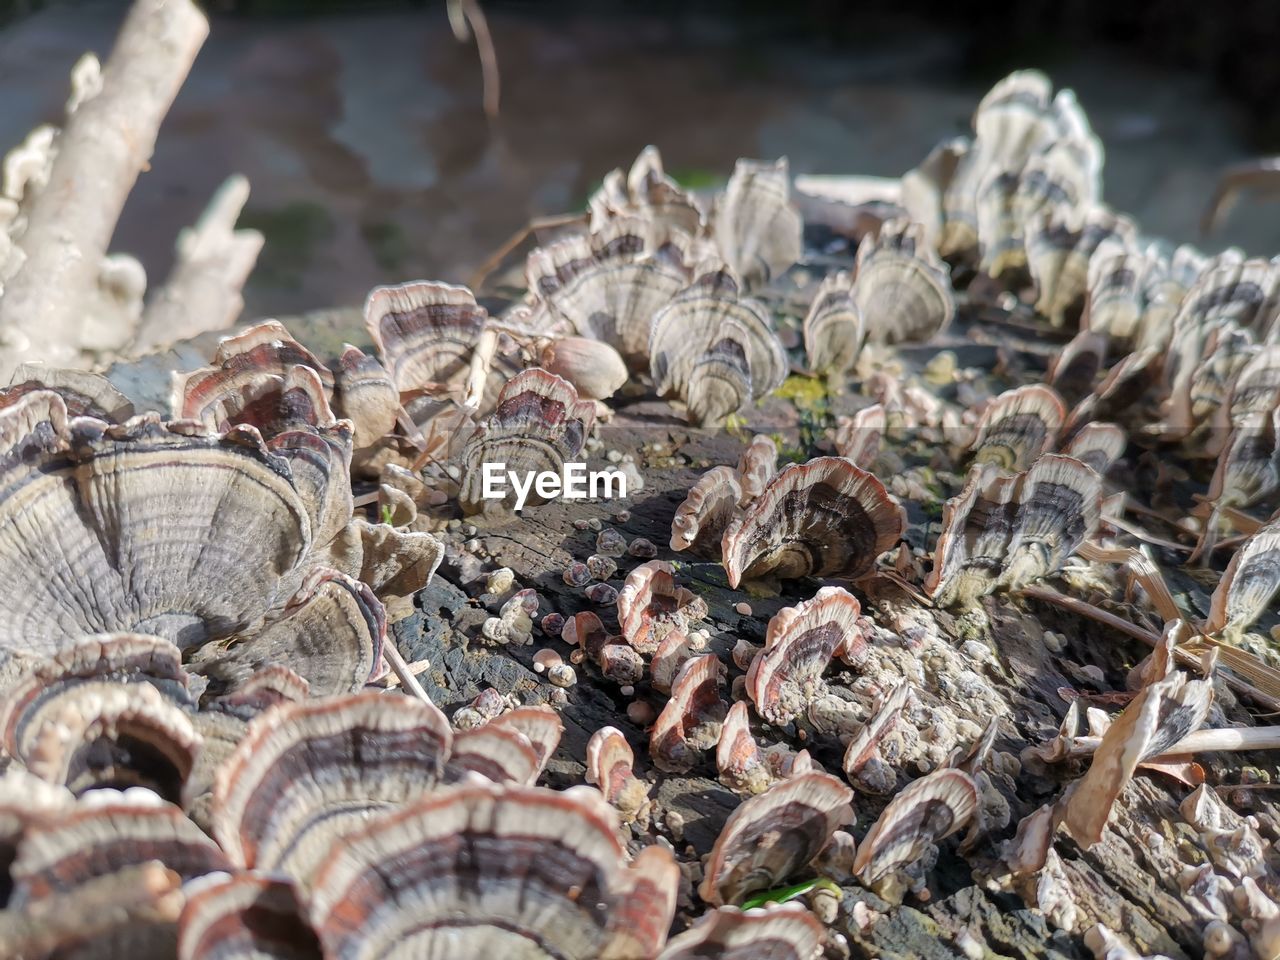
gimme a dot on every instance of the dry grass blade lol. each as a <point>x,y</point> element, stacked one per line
<point>464,14</point>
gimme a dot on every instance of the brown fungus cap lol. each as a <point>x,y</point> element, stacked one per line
<point>650,606</point>
<point>800,643</point>
<point>538,425</point>
<point>695,321</point>
<point>929,810</point>
<point>244,916</point>
<point>484,869</point>
<point>754,225</point>
<point>690,721</point>
<point>824,518</point>
<point>798,815</point>
<point>780,931</point>
<point>608,285</point>
<point>309,772</point>
<point>833,327</point>
<point>85,394</point>
<point>424,332</point>
<point>1018,426</point>
<point>901,289</point>
<point>700,521</point>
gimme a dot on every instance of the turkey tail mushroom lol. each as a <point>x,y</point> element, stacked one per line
<point>753,223</point>
<point>825,518</point>
<point>1018,426</point>
<point>482,868</point>
<point>798,815</point>
<point>902,290</point>
<point>700,521</point>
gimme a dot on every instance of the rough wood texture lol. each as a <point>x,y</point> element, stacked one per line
<point>1128,882</point>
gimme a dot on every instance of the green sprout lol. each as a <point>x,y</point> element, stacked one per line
<point>384,513</point>
<point>784,894</point>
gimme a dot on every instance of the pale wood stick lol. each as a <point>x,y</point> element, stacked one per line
<point>107,142</point>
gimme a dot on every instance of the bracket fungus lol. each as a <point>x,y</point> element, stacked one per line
<point>753,223</point>
<point>1162,714</point>
<point>929,810</point>
<point>824,518</point>
<point>486,869</point>
<point>244,915</point>
<point>1017,427</point>
<point>901,289</point>
<point>496,752</point>
<point>1003,532</point>
<point>608,285</point>
<point>772,835</point>
<point>650,606</point>
<point>747,769</point>
<point>1250,581</point>
<point>781,932</point>
<point>539,425</point>
<point>107,711</point>
<point>863,765</point>
<point>610,766</point>
<point>306,773</point>
<point>645,190</point>
<point>690,722</point>
<point>692,328</point>
<point>1098,445</point>
<point>85,394</point>
<point>800,643</point>
<point>710,505</point>
<point>425,333</point>
<point>757,466</point>
<point>858,438</point>
<point>130,508</point>
<point>833,327</point>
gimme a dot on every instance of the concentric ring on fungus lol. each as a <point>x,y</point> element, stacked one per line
<point>824,518</point>
<point>489,870</point>
<point>306,773</point>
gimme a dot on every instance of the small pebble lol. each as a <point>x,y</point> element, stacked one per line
<point>475,546</point>
<point>582,524</point>
<point>562,675</point>
<point>1054,642</point>
<point>469,529</point>
<point>675,824</point>
<point>627,691</point>
<point>558,697</point>
<point>614,456</point>
<point>594,523</point>
<point>611,543</point>
<point>602,594</point>
<point>622,516</point>
<point>454,471</point>
<point>500,581</point>
<point>635,482</point>
<point>453,526</point>
<point>601,567</point>
<point>553,624</point>
<point>545,659</point>
<point>641,713</point>
<point>1095,674</point>
<point>576,574</point>
<point>743,608</point>
<point>642,549</point>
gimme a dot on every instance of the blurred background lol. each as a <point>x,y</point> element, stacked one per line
<point>360,124</point>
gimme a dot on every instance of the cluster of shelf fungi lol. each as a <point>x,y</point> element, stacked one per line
<point>214,746</point>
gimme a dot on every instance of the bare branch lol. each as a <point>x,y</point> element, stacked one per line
<point>203,291</point>
<point>107,142</point>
